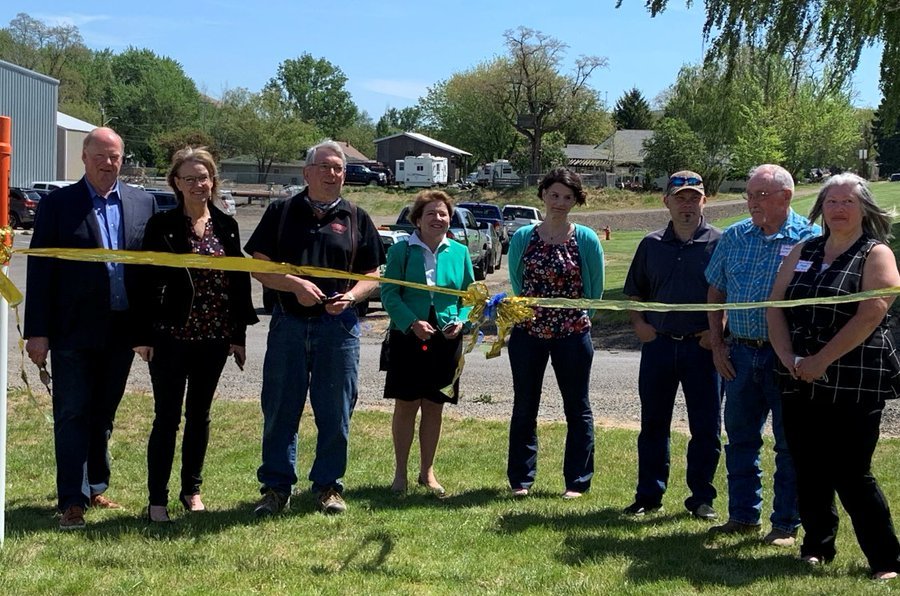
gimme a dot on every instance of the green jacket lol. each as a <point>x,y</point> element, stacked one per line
<point>592,270</point>
<point>405,306</point>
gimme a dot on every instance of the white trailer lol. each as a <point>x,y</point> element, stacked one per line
<point>498,174</point>
<point>424,170</point>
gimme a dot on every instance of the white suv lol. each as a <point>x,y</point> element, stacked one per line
<point>51,184</point>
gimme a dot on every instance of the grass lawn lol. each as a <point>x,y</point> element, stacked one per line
<point>479,540</point>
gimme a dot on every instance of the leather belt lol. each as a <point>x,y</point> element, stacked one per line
<point>753,343</point>
<point>680,337</point>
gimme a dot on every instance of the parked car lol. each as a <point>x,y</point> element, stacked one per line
<point>226,202</point>
<point>356,173</point>
<point>388,239</point>
<point>23,203</point>
<point>388,174</point>
<point>51,184</point>
<point>494,216</point>
<point>464,228</point>
<point>165,199</point>
<point>895,177</point>
<point>516,216</point>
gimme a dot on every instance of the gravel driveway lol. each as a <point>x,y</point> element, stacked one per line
<point>486,385</point>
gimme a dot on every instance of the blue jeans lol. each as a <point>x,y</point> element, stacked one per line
<point>666,362</point>
<point>571,357</point>
<point>748,400</point>
<point>87,387</point>
<point>319,355</point>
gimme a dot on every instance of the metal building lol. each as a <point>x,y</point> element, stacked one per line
<point>30,99</point>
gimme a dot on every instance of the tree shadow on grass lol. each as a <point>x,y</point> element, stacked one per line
<point>657,551</point>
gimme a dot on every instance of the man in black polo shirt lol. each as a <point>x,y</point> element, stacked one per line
<point>669,267</point>
<point>313,342</point>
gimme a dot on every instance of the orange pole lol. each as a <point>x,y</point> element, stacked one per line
<point>5,163</point>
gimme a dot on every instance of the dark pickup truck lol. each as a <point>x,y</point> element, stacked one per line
<point>464,228</point>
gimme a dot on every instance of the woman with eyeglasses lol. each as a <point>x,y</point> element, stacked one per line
<point>838,364</point>
<point>555,259</point>
<point>193,320</point>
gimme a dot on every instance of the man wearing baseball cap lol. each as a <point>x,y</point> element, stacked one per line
<point>668,267</point>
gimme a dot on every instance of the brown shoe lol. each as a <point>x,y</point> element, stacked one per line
<point>331,502</point>
<point>101,502</point>
<point>780,538</point>
<point>72,518</point>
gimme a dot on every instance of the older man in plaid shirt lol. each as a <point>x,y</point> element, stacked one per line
<point>742,269</point>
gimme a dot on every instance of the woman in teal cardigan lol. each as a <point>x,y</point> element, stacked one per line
<point>425,332</point>
<point>556,259</point>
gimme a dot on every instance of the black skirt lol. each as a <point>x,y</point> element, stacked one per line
<point>420,369</point>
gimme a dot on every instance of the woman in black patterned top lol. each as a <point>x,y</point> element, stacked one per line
<point>556,259</point>
<point>193,319</point>
<point>838,365</point>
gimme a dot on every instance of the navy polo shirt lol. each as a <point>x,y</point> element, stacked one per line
<point>665,269</point>
<point>304,239</point>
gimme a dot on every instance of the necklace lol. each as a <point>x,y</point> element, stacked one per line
<point>555,237</point>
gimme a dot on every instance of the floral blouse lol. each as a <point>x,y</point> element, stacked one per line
<point>553,271</point>
<point>209,306</point>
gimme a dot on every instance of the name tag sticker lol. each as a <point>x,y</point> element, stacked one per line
<point>803,266</point>
<point>785,250</point>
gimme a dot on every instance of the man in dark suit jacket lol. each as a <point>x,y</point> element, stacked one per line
<point>80,312</point>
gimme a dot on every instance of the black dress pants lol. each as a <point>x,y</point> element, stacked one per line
<point>832,446</point>
<point>176,364</point>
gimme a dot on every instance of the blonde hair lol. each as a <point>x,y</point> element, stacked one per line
<point>198,155</point>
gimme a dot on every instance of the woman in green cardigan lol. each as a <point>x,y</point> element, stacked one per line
<point>425,332</point>
<point>556,259</point>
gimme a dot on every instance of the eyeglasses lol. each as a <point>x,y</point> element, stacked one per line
<point>677,181</point>
<point>761,195</point>
<point>327,168</point>
<point>191,180</point>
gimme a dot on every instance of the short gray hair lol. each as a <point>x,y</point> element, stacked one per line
<point>875,220</point>
<point>778,173</point>
<point>331,146</point>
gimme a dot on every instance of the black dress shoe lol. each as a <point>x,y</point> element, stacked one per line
<point>704,511</point>
<point>638,509</point>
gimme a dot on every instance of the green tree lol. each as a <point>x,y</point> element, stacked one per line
<point>673,146</point>
<point>263,126</point>
<point>165,144</point>
<point>836,30</point>
<point>402,120</point>
<point>461,111</point>
<point>632,111</point>
<point>56,51</point>
<point>315,88</point>
<point>759,141</point>
<point>147,95</point>
<point>805,119</point>
<point>535,96</point>
<point>360,134</point>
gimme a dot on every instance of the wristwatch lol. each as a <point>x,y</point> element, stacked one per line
<point>348,296</point>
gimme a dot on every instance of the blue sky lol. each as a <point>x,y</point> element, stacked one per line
<point>391,51</point>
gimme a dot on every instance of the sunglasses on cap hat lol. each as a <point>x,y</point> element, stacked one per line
<point>676,181</point>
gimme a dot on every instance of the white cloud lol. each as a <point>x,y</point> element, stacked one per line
<point>396,87</point>
<point>75,19</point>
